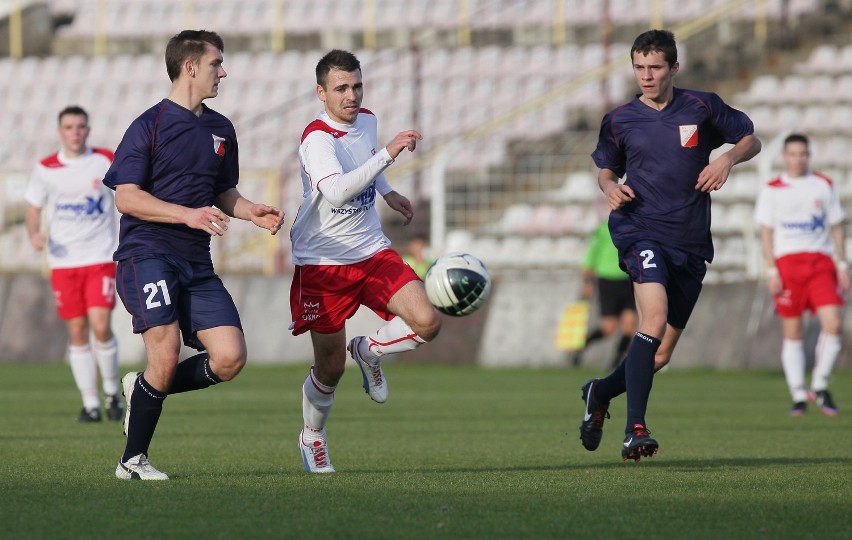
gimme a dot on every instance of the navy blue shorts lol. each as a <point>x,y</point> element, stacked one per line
<point>160,289</point>
<point>681,273</point>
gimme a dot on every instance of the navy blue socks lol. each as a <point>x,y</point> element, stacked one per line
<point>146,404</point>
<point>639,376</point>
<point>194,373</point>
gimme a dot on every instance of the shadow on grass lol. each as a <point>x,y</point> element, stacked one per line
<point>656,463</point>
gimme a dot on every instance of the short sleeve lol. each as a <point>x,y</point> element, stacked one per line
<point>836,214</point>
<point>229,174</point>
<point>763,208</point>
<point>609,154</point>
<point>731,123</point>
<point>132,163</point>
<point>36,193</point>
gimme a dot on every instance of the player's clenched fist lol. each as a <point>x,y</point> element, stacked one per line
<point>404,139</point>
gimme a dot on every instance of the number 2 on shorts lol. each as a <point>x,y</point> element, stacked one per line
<point>647,255</point>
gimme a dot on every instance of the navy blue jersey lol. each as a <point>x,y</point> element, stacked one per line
<point>662,153</point>
<point>179,158</point>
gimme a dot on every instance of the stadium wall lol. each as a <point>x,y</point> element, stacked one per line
<point>733,326</point>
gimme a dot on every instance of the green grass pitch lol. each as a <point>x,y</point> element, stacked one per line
<point>456,452</point>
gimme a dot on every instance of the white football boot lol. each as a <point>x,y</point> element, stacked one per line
<point>373,378</point>
<point>138,468</point>
<point>315,455</point>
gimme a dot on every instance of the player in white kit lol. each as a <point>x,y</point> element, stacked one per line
<point>82,236</point>
<point>343,259</point>
<point>803,242</point>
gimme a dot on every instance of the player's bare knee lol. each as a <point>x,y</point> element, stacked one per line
<point>102,333</point>
<point>654,325</point>
<point>661,361</point>
<point>229,366</point>
<point>429,326</point>
<point>329,375</point>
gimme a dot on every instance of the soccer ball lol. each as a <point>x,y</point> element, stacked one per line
<point>457,284</point>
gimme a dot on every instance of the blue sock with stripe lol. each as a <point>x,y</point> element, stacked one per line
<point>639,376</point>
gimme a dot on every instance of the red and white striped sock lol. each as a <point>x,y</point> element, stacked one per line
<point>394,337</point>
<point>317,400</point>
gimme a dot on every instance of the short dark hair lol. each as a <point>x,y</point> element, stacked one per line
<point>796,137</point>
<point>189,44</point>
<point>72,109</point>
<point>336,59</point>
<point>656,40</point>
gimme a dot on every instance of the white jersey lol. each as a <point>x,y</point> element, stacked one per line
<point>337,222</point>
<point>801,212</point>
<point>81,214</point>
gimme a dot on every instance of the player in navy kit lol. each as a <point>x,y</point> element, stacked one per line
<point>175,175</point>
<point>660,219</point>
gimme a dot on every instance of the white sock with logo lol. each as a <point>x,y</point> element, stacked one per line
<point>317,400</point>
<point>106,353</point>
<point>793,360</point>
<point>394,337</point>
<point>827,351</point>
<point>85,372</point>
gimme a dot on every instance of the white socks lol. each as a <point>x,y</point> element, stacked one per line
<point>317,400</point>
<point>394,337</point>
<point>793,360</point>
<point>106,354</point>
<point>85,374</point>
<point>827,350</point>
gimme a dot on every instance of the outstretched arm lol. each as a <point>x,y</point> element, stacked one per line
<point>264,216</point>
<point>132,200</point>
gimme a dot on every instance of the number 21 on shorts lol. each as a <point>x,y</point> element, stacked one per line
<point>151,289</point>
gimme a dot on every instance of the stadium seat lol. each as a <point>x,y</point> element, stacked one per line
<point>763,90</point>
<point>823,59</point>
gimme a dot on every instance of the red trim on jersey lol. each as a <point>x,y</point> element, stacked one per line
<point>368,111</point>
<point>698,99</point>
<point>154,129</point>
<point>824,177</point>
<point>52,161</point>
<point>323,178</point>
<point>319,125</point>
<point>104,152</point>
<point>778,182</point>
<point>612,124</point>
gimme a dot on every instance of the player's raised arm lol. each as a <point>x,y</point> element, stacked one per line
<point>404,139</point>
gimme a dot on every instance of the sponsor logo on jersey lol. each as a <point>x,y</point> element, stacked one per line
<point>817,223</point>
<point>91,206</point>
<point>218,145</point>
<point>689,136</point>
